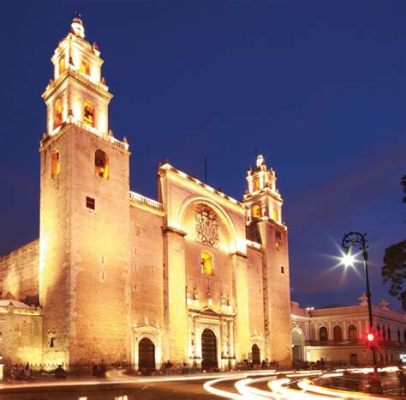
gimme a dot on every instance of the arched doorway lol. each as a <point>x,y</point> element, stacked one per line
<point>146,354</point>
<point>256,355</point>
<point>209,349</point>
<point>298,342</point>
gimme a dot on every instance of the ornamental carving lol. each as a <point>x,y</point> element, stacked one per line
<point>207,226</point>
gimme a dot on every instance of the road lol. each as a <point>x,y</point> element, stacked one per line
<point>252,385</point>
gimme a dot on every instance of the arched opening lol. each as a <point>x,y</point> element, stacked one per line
<point>275,215</point>
<point>298,342</point>
<point>101,164</point>
<point>146,354</point>
<point>57,113</point>
<point>256,211</point>
<point>55,164</point>
<point>88,112</point>
<point>206,262</point>
<point>338,334</point>
<point>323,335</point>
<point>85,67</point>
<point>256,355</point>
<point>209,350</point>
<point>61,64</point>
<point>352,332</point>
<point>256,184</point>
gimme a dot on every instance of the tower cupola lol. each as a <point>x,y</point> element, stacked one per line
<point>78,93</point>
<point>77,27</point>
<point>262,198</point>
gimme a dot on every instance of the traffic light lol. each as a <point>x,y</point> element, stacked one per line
<point>371,340</point>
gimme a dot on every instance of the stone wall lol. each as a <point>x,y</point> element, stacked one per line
<point>20,335</point>
<point>19,271</point>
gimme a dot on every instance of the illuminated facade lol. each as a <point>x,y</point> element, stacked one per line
<point>338,335</point>
<point>194,277</point>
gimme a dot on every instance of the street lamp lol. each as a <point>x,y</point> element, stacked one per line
<point>349,241</point>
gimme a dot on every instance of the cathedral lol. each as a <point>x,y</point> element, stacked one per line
<point>195,276</point>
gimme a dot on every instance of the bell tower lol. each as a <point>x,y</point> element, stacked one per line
<point>78,93</point>
<point>263,203</point>
<point>84,213</point>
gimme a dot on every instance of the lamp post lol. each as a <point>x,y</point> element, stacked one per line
<point>349,241</point>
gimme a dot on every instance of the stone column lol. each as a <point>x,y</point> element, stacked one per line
<point>176,322</point>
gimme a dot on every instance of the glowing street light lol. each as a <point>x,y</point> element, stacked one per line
<point>349,241</point>
<point>348,259</point>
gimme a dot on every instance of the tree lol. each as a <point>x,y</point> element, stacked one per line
<point>394,260</point>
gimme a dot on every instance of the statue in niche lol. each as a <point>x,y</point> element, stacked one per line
<point>207,226</point>
<point>194,295</point>
<point>51,338</point>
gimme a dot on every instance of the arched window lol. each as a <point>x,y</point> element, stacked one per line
<point>101,164</point>
<point>383,332</point>
<point>84,67</point>
<point>256,211</point>
<point>352,332</point>
<point>378,331</point>
<point>323,334</point>
<point>206,262</point>
<point>389,334</point>
<point>88,112</point>
<point>55,164</point>
<point>338,334</point>
<point>404,336</point>
<point>399,337</point>
<point>58,112</point>
<point>61,64</point>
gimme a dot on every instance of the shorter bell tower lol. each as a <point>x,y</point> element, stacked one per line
<point>263,203</point>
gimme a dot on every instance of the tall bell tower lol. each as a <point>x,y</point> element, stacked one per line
<point>264,225</point>
<point>84,213</point>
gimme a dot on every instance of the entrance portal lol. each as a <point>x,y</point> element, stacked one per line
<point>209,349</point>
<point>256,355</point>
<point>146,354</point>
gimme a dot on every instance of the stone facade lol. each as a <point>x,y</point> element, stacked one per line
<point>194,277</point>
<point>338,335</point>
<point>19,273</point>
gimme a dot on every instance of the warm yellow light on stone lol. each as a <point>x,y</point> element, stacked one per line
<point>207,263</point>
